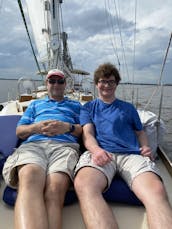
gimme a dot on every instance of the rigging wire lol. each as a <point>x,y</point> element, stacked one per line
<point>121,39</point>
<point>112,24</point>
<point>162,89</point>
<point>24,21</point>
<point>161,74</point>
<point>160,80</point>
<point>163,65</point>
<point>134,50</point>
<point>113,41</point>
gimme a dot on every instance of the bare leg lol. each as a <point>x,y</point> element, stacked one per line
<point>151,192</point>
<point>89,184</point>
<point>30,210</point>
<point>56,187</point>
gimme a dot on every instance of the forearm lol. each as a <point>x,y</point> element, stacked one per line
<point>90,143</point>
<point>25,131</point>
<point>99,156</point>
<point>145,150</point>
<point>142,138</point>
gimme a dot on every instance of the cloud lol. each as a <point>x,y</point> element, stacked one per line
<point>98,31</point>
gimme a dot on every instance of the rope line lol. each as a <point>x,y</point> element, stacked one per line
<point>25,23</point>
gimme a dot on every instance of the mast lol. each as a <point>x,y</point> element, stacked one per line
<point>50,38</point>
<point>57,48</point>
<point>55,31</point>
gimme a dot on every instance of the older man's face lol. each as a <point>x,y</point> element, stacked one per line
<point>56,86</point>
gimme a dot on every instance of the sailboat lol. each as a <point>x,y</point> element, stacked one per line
<point>53,52</point>
<point>51,42</point>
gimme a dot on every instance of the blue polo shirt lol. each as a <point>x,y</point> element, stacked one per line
<point>115,125</point>
<point>49,109</point>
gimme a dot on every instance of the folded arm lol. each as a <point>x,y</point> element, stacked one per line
<point>49,128</point>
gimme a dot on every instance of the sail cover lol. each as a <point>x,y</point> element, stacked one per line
<point>37,15</point>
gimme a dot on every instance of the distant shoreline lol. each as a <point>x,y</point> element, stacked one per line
<point>165,84</point>
<point>18,79</point>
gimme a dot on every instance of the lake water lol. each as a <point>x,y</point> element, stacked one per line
<point>9,90</point>
<point>140,93</point>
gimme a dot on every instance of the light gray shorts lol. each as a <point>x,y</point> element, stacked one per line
<point>52,156</point>
<point>128,166</point>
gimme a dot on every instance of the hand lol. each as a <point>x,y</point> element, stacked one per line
<point>101,157</point>
<point>146,152</point>
<point>52,127</point>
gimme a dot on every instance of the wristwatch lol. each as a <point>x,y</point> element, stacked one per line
<point>71,128</point>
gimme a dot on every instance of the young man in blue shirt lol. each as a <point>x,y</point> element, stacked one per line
<point>115,140</point>
<point>42,167</point>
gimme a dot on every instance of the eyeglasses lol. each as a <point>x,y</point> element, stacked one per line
<point>109,82</point>
<point>58,81</point>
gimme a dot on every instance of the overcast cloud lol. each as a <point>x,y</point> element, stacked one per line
<point>91,41</point>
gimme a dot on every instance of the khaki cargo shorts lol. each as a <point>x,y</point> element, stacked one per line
<point>52,156</point>
<point>128,166</point>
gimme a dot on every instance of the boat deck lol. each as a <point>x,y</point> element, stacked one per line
<point>132,216</point>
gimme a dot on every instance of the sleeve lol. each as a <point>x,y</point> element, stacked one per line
<point>85,115</point>
<point>77,113</point>
<point>28,116</point>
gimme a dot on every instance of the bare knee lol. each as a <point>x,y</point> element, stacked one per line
<point>150,192</point>
<point>30,176</point>
<point>79,185</point>
<point>158,191</point>
<point>55,191</point>
<point>83,185</point>
<point>89,182</point>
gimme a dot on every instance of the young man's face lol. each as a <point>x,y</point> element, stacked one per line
<point>106,87</point>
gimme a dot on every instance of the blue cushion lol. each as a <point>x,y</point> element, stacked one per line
<point>120,192</point>
<point>10,195</point>
<point>8,138</point>
<point>70,197</point>
<point>2,161</point>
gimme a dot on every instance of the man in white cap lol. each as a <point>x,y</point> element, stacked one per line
<point>42,167</point>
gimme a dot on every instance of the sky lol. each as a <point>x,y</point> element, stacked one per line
<point>98,31</point>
